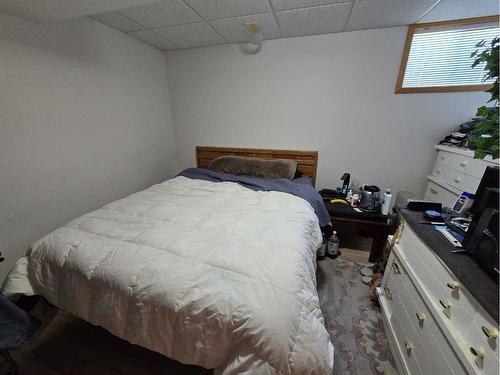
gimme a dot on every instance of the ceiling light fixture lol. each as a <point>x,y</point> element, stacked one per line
<point>254,33</point>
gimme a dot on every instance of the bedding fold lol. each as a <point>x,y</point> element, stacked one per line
<point>301,190</point>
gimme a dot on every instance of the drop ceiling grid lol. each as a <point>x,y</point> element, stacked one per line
<point>173,24</point>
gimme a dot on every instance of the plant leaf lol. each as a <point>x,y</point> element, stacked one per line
<point>485,135</point>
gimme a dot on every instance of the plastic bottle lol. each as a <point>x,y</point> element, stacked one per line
<point>349,196</point>
<point>332,250</point>
<point>463,203</point>
<point>386,202</point>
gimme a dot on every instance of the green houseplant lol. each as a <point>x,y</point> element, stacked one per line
<point>486,132</point>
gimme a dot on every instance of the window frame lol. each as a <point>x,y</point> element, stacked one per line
<point>437,25</point>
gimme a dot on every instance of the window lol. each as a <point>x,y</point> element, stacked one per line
<point>437,56</point>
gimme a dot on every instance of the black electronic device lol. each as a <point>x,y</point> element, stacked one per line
<point>328,194</point>
<point>483,243</point>
<point>485,197</point>
<point>340,192</point>
<point>346,177</point>
<point>490,179</point>
<point>422,205</point>
<point>481,240</point>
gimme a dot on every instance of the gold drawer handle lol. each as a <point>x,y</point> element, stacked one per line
<point>388,292</point>
<point>453,285</point>
<point>490,332</point>
<point>445,303</point>
<point>433,191</point>
<point>477,352</point>
<point>396,268</point>
<point>420,317</point>
<point>408,346</point>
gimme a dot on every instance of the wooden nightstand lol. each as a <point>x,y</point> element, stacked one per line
<point>346,220</point>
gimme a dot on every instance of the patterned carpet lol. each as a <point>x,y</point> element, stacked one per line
<point>353,321</point>
<point>67,345</point>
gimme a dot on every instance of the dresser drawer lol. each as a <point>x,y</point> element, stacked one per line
<point>389,290</point>
<point>436,193</point>
<point>457,179</point>
<point>461,314</point>
<point>412,344</point>
<point>433,277</point>
<point>464,164</point>
<point>439,358</point>
<point>476,344</point>
<point>406,338</point>
<point>397,354</point>
<point>483,331</point>
<point>439,354</point>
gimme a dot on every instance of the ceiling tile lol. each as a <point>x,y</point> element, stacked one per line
<point>233,29</point>
<point>118,21</point>
<point>213,9</point>
<point>370,14</point>
<point>294,4</point>
<point>315,20</point>
<point>191,35</point>
<point>154,39</point>
<point>456,9</point>
<point>53,10</point>
<point>162,13</point>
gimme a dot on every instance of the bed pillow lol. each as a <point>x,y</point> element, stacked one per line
<point>239,165</point>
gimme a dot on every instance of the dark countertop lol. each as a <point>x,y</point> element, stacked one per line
<point>477,282</point>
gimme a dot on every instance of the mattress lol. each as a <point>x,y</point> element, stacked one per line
<point>211,274</point>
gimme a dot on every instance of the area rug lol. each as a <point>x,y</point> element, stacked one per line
<point>352,319</point>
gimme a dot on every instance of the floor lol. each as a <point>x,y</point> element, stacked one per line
<point>353,320</point>
<point>67,345</point>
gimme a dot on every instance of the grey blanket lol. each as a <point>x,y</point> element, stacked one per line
<point>304,191</point>
<point>16,325</point>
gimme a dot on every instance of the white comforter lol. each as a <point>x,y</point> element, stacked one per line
<point>211,274</point>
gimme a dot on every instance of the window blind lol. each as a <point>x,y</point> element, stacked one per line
<point>442,57</point>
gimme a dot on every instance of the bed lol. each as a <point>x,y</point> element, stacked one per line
<point>208,273</point>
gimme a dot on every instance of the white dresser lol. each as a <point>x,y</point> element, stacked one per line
<point>433,324</point>
<point>454,172</point>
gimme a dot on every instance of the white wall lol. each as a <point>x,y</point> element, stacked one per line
<point>333,93</point>
<point>84,120</point>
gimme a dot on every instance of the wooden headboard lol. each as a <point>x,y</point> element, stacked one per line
<point>307,161</point>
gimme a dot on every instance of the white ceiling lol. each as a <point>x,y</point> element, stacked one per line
<point>195,23</point>
<point>58,10</point>
<point>174,24</point>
